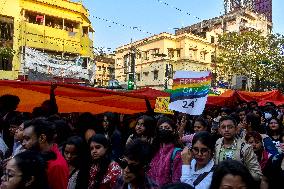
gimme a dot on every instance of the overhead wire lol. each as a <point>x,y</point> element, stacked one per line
<point>178,9</point>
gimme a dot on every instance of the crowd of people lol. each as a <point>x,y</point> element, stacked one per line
<point>239,147</point>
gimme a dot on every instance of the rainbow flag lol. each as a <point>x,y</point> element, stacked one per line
<point>190,91</point>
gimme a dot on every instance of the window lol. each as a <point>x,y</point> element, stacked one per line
<point>138,55</point>
<point>156,74</point>
<point>202,56</point>
<point>213,58</point>
<point>138,77</point>
<point>178,53</point>
<point>146,73</point>
<point>126,64</point>
<point>155,52</point>
<point>171,53</point>
<point>6,64</point>
<point>212,39</point>
<point>194,55</point>
<point>146,55</point>
<point>190,54</point>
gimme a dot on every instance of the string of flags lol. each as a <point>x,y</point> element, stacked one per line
<point>178,9</point>
<point>123,25</point>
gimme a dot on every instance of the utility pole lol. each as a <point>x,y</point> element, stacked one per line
<point>131,74</point>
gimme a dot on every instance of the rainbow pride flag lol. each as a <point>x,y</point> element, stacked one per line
<point>190,91</point>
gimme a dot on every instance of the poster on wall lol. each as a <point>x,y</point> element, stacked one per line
<point>190,91</point>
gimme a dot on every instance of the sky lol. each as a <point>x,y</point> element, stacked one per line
<point>154,17</point>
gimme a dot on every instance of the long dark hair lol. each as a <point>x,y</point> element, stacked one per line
<point>78,142</point>
<point>234,168</point>
<point>278,131</point>
<point>175,140</point>
<point>149,124</point>
<point>206,139</point>
<point>104,161</point>
<point>31,164</point>
<point>82,161</point>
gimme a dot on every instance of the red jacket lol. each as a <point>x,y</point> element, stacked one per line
<point>57,171</point>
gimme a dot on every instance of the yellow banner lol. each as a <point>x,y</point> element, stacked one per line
<point>162,105</point>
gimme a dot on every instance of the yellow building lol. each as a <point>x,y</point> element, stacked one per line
<point>57,27</point>
<point>104,70</point>
<point>159,56</point>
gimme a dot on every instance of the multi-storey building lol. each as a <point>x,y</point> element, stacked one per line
<point>235,21</point>
<point>155,59</point>
<point>104,70</point>
<point>60,28</point>
<point>239,20</point>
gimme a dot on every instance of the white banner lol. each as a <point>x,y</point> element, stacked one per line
<point>190,92</point>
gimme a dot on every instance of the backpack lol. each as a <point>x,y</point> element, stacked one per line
<point>172,160</point>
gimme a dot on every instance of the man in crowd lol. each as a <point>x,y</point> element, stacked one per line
<point>231,147</point>
<point>38,136</point>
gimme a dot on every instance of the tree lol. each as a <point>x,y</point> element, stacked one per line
<point>254,55</point>
<point>6,52</point>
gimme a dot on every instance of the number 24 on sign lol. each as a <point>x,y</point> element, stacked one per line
<point>188,103</point>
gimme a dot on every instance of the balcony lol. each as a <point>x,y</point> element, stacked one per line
<point>44,37</point>
<point>87,45</point>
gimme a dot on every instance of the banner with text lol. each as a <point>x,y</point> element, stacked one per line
<point>190,91</point>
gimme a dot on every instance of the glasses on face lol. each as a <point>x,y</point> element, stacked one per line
<point>132,167</point>
<point>202,151</point>
<point>9,175</point>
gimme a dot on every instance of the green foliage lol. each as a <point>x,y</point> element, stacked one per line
<point>6,52</point>
<point>253,54</point>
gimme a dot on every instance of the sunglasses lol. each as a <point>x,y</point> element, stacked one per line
<point>132,167</point>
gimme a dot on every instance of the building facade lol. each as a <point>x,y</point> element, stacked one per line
<point>235,21</point>
<point>104,70</point>
<point>154,60</point>
<point>60,28</point>
<point>239,20</point>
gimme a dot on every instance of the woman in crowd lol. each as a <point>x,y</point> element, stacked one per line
<point>75,153</point>
<point>232,174</point>
<point>103,171</point>
<point>274,171</point>
<point>166,163</point>
<point>274,130</point>
<point>144,129</point>
<point>199,124</point>
<point>254,124</point>
<point>110,125</point>
<point>27,170</point>
<point>255,140</point>
<point>197,168</point>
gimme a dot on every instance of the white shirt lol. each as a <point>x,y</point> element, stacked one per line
<point>189,175</point>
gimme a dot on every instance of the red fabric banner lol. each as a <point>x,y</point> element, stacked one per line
<point>74,98</point>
